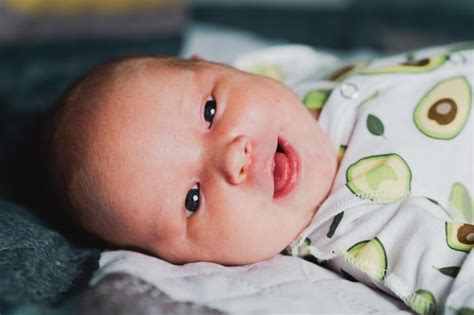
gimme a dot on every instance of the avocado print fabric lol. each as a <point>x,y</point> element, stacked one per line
<point>400,214</point>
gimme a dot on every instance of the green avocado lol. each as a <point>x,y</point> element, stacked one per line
<point>270,71</point>
<point>346,71</point>
<point>315,99</point>
<point>411,66</point>
<point>460,204</point>
<point>381,178</point>
<point>423,302</point>
<point>370,257</point>
<point>444,110</point>
<point>460,236</point>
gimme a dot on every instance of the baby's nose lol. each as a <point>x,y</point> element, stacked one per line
<point>236,159</point>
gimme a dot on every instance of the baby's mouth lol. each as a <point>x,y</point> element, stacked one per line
<point>286,169</point>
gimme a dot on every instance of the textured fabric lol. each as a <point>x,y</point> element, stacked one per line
<point>399,216</point>
<point>123,294</point>
<point>37,264</point>
<point>118,294</point>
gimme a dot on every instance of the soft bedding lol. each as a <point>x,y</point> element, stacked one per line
<point>37,264</point>
<point>282,284</point>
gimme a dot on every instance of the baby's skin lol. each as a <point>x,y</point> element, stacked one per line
<point>204,163</point>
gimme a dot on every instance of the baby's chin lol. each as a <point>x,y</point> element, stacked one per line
<point>223,256</point>
<point>225,261</point>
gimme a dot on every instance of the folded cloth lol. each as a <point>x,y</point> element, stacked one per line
<point>282,284</point>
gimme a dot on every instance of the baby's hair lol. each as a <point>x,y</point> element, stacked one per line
<point>68,140</point>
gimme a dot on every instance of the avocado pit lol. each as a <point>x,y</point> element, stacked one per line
<point>466,234</point>
<point>417,63</point>
<point>443,111</point>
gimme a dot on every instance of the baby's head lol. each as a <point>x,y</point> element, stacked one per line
<point>188,160</point>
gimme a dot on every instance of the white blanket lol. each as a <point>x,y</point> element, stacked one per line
<point>282,284</point>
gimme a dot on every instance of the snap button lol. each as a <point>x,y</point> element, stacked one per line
<point>457,58</point>
<point>349,90</point>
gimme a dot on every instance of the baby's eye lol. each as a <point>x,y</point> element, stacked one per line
<point>210,111</point>
<point>192,200</point>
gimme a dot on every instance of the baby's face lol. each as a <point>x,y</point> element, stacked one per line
<point>191,166</point>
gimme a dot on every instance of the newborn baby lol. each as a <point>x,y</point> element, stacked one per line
<point>189,160</point>
<point>197,161</point>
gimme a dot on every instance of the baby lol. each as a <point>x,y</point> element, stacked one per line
<point>191,160</point>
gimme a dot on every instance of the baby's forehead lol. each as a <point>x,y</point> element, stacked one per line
<point>130,103</point>
<point>182,66</point>
<point>147,88</point>
<point>165,76</point>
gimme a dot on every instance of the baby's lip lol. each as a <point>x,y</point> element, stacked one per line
<point>293,173</point>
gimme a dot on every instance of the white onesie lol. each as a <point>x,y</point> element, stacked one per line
<point>399,216</point>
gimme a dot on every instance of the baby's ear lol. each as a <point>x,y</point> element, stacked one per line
<point>197,58</point>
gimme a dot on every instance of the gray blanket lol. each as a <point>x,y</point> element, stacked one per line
<point>37,264</point>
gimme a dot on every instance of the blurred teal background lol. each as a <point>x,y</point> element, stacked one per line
<point>346,24</point>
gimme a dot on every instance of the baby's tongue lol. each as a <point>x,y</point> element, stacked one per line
<point>280,173</point>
